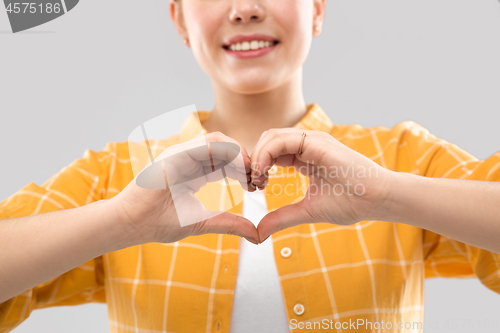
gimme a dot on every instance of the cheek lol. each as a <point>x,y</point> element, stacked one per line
<point>202,21</point>
<point>294,17</point>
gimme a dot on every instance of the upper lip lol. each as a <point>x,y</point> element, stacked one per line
<point>243,38</point>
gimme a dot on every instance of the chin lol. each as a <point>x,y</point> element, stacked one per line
<point>250,86</point>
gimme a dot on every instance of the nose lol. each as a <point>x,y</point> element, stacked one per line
<point>244,11</point>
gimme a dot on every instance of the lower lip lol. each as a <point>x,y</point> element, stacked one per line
<point>251,54</point>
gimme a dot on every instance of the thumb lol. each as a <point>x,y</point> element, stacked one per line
<point>282,218</point>
<point>227,223</point>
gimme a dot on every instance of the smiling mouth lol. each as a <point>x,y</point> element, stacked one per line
<point>249,45</point>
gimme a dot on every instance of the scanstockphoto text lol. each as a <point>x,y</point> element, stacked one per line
<point>359,324</point>
<point>437,325</point>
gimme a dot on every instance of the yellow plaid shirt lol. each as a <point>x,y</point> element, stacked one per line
<point>373,270</point>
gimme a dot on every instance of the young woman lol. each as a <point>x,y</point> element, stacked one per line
<point>350,219</point>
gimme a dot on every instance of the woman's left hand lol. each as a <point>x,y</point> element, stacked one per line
<point>345,187</point>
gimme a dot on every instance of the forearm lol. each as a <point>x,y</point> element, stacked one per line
<point>37,248</point>
<point>465,210</point>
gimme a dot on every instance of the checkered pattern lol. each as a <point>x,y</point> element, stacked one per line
<point>373,270</point>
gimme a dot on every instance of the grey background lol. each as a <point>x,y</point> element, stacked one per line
<point>94,74</point>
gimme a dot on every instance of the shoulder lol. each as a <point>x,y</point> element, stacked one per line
<point>355,133</point>
<point>395,148</point>
<point>126,150</point>
<point>122,161</point>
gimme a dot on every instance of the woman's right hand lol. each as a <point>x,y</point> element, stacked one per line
<point>146,212</point>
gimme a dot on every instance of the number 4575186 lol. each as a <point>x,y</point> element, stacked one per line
<point>27,7</point>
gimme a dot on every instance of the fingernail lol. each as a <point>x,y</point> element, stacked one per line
<point>252,241</point>
<point>265,239</point>
<point>257,182</point>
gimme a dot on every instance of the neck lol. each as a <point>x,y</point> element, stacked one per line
<point>244,117</point>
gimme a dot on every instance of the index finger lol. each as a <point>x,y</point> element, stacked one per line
<point>276,143</point>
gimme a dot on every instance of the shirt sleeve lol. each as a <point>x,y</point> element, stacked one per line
<point>435,157</point>
<point>82,182</point>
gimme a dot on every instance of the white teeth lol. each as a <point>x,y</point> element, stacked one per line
<point>250,45</point>
<point>254,45</point>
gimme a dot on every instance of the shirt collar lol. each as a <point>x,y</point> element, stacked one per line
<point>315,119</point>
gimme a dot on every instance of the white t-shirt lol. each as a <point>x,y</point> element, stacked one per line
<point>258,304</point>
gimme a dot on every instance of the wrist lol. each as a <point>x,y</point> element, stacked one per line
<point>392,206</point>
<point>111,226</point>
<point>403,190</point>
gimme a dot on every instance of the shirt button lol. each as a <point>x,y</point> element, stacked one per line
<point>286,252</point>
<point>298,309</point>
<point>273,170</point>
